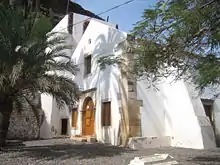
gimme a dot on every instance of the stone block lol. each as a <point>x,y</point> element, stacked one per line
<point>14,143</point>
<point>83,139</point>
<point>132,95</point>
<point>91,140</point>
<point>157,159</point>
<point>78,138</point>
<point>135,130</point>
<point>149,142</point>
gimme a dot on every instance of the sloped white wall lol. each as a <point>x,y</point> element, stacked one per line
<point>169,111</point>
<point>152,111</point>
<point>216,107</point>
<point>184,124</point>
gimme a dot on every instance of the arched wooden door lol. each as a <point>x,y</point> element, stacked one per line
<point>88,117</point>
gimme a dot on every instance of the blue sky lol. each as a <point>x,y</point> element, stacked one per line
<point>125,16</point>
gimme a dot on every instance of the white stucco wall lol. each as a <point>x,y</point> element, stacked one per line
<point>216,107</point>
<point>170,111</point>
<point>152,111</point>
<point>104,38</point>
<point>47,105</point>
<point>52,125</point>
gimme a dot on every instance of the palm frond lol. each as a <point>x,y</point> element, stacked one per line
<point>25,63</point>
<point>62,88</point>
<point>16,72</point>
<point>66,66</point>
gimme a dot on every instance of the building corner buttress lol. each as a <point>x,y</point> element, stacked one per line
<point>130,110</point>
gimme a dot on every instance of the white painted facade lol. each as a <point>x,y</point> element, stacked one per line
<point>104,38</point>
<point>170,111</point>
<point>171,114</point>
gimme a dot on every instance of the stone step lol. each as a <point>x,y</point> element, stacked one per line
<point>149,142</point>
<point>14,143</point>
<point>89,139</point>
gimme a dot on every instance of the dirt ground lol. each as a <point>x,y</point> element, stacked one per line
<point>69,152</point>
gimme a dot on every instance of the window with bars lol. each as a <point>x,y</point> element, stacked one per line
<point>74,117</point>
<point>88,64</point>
<point>106,113</point>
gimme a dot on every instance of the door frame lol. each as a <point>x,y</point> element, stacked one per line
<point>85,102</point>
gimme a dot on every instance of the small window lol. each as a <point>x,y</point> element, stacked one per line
<point>208,107</point>
<point>85,25</point>
<point>88,64</point>
<point>89,41</point>
<point>74,117</point>
<point>208,110</point>
<point>106,114</point>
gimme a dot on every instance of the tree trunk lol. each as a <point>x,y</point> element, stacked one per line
<point>6,107</point>
<point>37,5</point>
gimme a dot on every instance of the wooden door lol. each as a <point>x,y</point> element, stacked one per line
<point>88,116</point>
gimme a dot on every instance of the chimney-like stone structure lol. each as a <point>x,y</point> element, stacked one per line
<point>130,111</point>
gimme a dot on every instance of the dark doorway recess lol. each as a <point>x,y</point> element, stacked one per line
<point>64,126</point>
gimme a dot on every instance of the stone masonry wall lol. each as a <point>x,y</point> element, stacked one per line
<point>23,125</point>
<point>130,104</point>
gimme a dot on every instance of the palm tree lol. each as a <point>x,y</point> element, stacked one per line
<point>32,61</point>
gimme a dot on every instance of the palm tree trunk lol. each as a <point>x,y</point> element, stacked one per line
<point>6,107</point>
<point>37,5</point>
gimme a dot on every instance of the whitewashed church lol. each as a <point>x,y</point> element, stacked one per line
<point>114,105</point>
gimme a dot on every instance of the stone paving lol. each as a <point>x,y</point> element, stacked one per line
<point>69,152</point>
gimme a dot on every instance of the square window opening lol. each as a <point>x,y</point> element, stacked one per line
<point>106,113</point>
<point>88,64</point>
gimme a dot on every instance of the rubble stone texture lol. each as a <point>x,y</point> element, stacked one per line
<point>23,125</point>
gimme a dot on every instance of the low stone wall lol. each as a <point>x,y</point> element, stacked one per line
<point>23,125</point>
<point>149,142</point>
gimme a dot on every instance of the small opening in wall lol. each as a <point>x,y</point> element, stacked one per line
<point>89,41</point>
<point>208,107</point>
<point>88,64</point>
<point>64,126</point>
<point>106,113</point>
<point>74,117</point>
